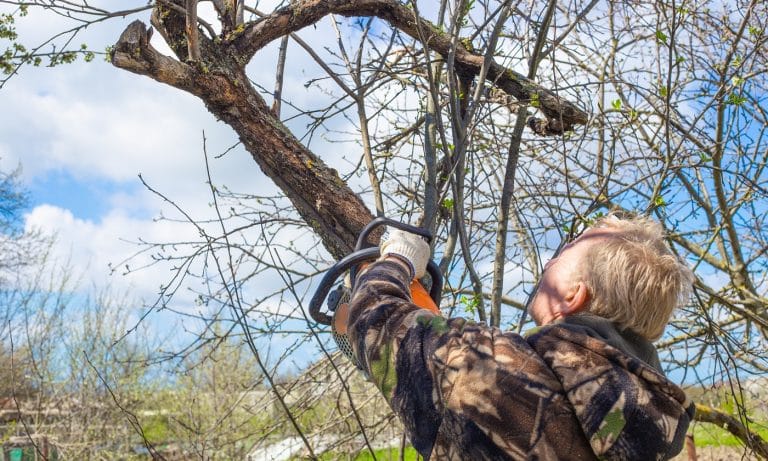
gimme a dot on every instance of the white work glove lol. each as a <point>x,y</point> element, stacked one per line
<point>410,247</point>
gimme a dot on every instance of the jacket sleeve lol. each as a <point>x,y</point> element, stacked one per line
<point>462,390</point>
<point>385,325</point>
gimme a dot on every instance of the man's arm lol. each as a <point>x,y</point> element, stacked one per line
<point>382,321</point>
<point>462,390</point>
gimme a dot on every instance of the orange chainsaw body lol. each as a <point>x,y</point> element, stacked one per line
<point>419,296</point>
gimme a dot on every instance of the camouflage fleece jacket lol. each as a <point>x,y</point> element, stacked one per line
<point>466,391</point>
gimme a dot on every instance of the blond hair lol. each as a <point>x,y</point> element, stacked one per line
<point>633,278</point>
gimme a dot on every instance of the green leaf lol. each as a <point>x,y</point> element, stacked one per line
<point>535,102</point>
<point>704,157</point>
<point>616,104</point>
<point>736,99</point>
<point>7,31</point>
<point>661,36</point>
<point>448,203</point>
<point>109,50</point>
<point>659,201</point>
<point>663,91</point>
<point>470,303</point>
<point>469,6</point>
<point>754,31</point>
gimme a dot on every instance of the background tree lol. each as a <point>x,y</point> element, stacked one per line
<point>219,401</point>
<point>66,375</point>
<point>18,250</point>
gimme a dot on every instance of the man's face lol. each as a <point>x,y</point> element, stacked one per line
<point>557,294</point>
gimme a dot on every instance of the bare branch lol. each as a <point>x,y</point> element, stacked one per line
<point>301,14</point>
<point>193,43</point>
<point>750,438</point>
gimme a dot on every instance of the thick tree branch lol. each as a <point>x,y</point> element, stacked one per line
<point>193,43</point>
<point>134,53</point>
<point>750,438</point>
<point>562,114</point>
<point>335,212</point>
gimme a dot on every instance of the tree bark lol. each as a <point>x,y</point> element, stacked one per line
<point>322,199</point>
<point>218,78</point>
<point>749,437</point>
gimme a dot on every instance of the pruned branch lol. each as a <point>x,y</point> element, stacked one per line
<point>134,53</point>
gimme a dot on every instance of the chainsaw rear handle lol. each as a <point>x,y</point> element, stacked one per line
<point>361,255</point>
<point>330,277</point>
<point>382,221</point>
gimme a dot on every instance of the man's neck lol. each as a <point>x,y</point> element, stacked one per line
<point>626,341</point>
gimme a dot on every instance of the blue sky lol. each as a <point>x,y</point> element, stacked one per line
<point>83,133</point>
<point>87,200</point>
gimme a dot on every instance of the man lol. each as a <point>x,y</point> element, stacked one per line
<point>585,384</point>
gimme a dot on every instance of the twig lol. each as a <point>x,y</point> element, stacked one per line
<point>233,295</point>
<point>278,95</point>
<point>132,419</point>
<point>509,178</point>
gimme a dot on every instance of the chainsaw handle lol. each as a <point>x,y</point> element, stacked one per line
<point>382,221</point>
<point>436,289</point>
<point>336,271</point>
<point>351,261</point>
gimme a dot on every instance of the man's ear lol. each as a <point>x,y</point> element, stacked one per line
<point>577,299</point>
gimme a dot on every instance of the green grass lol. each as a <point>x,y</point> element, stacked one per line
<point>384,454</point>
<point>389,454</point>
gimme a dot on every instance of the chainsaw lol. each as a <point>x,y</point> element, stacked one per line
<point>338,298</point>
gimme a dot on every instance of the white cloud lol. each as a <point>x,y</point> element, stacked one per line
<point>91,247</point>
<point>110,126</point>
<point>99,124</point>
<point>104,123</point>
